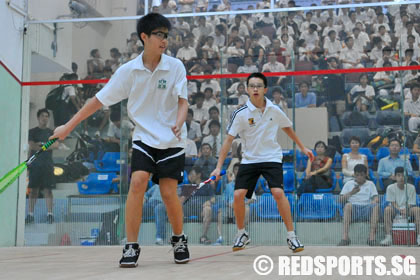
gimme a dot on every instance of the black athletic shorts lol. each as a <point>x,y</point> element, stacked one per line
<point>163,163</point>
<point>248,175</point>
<point>41,176</point>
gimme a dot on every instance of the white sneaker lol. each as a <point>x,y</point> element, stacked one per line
<point>294,244</point>
<point>159,241</point>
<point>387,241</point>
<point>241,240</point>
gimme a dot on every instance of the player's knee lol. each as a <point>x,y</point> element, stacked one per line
<point>239,195</point>
<point>277,193</point>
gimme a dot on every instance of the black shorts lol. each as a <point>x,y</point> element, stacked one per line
<point>41,176</point>
<point>163,163</point>
<point>248,175</point>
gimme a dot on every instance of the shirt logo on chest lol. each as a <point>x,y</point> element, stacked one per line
<point>251,122</point>
<point>162,84</point>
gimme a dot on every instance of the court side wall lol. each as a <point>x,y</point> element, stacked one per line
<point>11,144</point>
<point>10,112</point>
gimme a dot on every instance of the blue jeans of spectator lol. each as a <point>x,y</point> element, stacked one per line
<point>157,208</point>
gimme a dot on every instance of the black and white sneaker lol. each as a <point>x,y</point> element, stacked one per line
<point>131,253</point>
<point>241,240</point>
<point>294,244</point>
<point>180,247</point>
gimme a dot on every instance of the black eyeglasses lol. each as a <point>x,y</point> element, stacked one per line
<point>160,34</point>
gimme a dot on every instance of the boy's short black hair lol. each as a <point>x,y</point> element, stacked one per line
<point>394,140</point>
<point>399,170</point>
<point>198,95</point>
<point>414,85</point>
<point>214,122</point>
<point>355,138</point>
<point>360,168</point>
<point>43,110</point>
<point>257,75</point>
<point>386,49</point>
<point>208,88</point>
<point>150,22</point>
<point>115,116</point>
<point>214,108</point>
<point>205,144</point>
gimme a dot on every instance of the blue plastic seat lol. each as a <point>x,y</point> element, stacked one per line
<point>98,183</point>
<point>316,206</point>
<point>288,180</point>
<point>266,207</point>
<point>109,163</point>
<point>381,153</point>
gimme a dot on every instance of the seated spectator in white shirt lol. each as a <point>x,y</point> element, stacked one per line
<point>193,128</point>
<point>332,46</point>
<point>186,53</point>
<point>376,52</point>
<point>200,112</point>
<point>248,66</point>
<point>383,34</point>
<point>274,66</point>
<point>380,21</point>
<point>386,57</point>
<point>349,57</point>
<point>214,138</point>
<point>209,98</point>
<point>214,114</point>
<point>211,49</point>
<point>211,83</point>
<point>279,98</point>
<point>361,95</point>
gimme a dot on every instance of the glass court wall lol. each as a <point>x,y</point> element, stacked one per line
<point>321,70</point>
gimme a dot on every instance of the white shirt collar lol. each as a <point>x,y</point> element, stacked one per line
<point>252,107</point>
<point>163,65</point>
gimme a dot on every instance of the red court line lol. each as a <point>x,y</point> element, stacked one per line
<point>10,72</point>
<point>227,76</point>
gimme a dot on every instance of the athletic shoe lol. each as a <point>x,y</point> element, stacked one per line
<point>180,247</point>
<point>387,241</point>
<point>241,240</point>
<point>159,241</point>
<point>131,253</point>
<point>219,241</point>
<point>50,219</point>
<point>29,219</point>
<point>344,242</point>
<point>294,244</point>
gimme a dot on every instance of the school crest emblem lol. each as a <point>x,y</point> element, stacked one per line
<point>162,84</point>
<point>251,121</point>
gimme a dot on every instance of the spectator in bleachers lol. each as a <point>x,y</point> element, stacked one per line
<point>213,84</point>
<point>211,48</point>
<point>182,26</point>
<point>153,206</point>
<point>387,165</point>
<point>284,28</point>
<point>361,202</point>
<point>350,58</point>
<point>412,107</point>
<point>256,51</point>
<point>386,57</point>
<point>380,22</point>
<point>287,43</point>
<point>383,34</point>
<point>193,128</point>
<point>243,26</point>
<point>350,160</point>
<point>115,60</point>
<point>304,98</point>
<point>274,66</point>
<point>331,26</point>
<point>202,6</point>
<point>209,98</point>
<point>95,64</point>
<point>248,66</point>
<point>185,6</point>
<point>236,52</point>
<point>200,112</point>
<point>384,80</point>
<point>203,28</point>
<point>308,21</point>
<point>200,204</point>
<point>206,161</point>
<point>214,139</point>
<point>311,37</point>
<point>361,96</point>
<point>361,40</point>
<point>411,44</point>
<point>214,114</point>
<point>317,172</point>
<point>187,53</point>
<point>116,129</point>
<point>332,46</point>
<point>400,195</point>
<point>219,37</point>
<point>279,98</point>
<point>376,52</point>
<point>408,79</point>
<point>164,8</point>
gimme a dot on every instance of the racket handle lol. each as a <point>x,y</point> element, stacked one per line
<point>223,172</point>
<point>48,144</point>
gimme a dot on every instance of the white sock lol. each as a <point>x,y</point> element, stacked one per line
<point>130,243</point>
<point>240,231</point>
<point>291,234</point>
<point>179,234</point>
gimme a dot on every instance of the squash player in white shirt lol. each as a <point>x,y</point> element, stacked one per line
<point>257,123</point>
<point>156,87</point>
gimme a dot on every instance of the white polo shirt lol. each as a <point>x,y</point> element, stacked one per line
<point>152,99</point>
<point>259,131</point>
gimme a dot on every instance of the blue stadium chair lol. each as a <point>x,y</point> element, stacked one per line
<point>109,163</point>
<point>381,153</point>
<point>316,206</point>
<point>262,183</point>
<point>383,203</point>
<point>266,206</point>
<point>288,180</point>
<point>366,151</point>
<point>98,183</point>
<point>185,181</point>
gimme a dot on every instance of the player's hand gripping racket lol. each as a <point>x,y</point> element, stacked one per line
<point>212,178</point>
<point>12,175</point>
